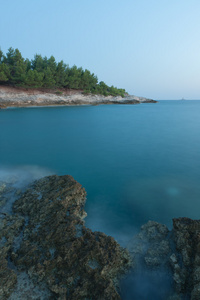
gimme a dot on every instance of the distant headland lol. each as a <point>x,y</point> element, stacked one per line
<point>27,97</point>
<point>42,82</point>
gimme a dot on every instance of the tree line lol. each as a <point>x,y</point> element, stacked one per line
<point>47,73</point>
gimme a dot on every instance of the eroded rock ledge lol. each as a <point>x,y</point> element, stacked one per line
<point>21,97</point>
<point>46,252</point>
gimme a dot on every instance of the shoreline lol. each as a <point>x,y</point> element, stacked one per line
<point>45,242</point>
<point>45,246</point>
<point>22,97</point>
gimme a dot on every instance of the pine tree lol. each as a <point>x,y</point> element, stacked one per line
<point>44,72</point>
<point>4,72</point>
<point>48,80</point>
<point>34,78</point>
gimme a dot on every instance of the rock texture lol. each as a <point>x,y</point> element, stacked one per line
<point>21,97</point>
<point>175,253</point>
<point>46,252</point>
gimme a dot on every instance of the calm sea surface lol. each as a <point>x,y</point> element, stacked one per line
<point>136,162</point>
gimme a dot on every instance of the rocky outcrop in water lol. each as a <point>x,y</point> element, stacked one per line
<point>46,252</point>
<point>174,255</point>
<point>22,97</point>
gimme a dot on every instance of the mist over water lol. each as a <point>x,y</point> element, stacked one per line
<point>137,163</point>
<point>15,179</point>
<point>21,176</point>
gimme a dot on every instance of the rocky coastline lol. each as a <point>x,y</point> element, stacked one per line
<point>22,97</point>
<point>46,252</point>
<point>170,258</point>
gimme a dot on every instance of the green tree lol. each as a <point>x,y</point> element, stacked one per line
<point>38,63</point>
<point>74,78</point>
<point>17,66</point>
<point>103,88</point>
<point>48,80</point>
<point>19,73</point>
<point>9,59</point>
<point>4,72</point>
<point>61,76</point>
<point>1,56</point>
<point>34,78</point>
<point>88,81</point>
<point>51,63</point>
<point>45,72</point>
<point>28,64</point>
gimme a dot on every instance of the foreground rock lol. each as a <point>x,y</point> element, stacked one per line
<point>173,255</point>
<point>46,252</point>
<point>21,97</point>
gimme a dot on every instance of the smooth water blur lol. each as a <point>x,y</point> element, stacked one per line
<point>136,162</point>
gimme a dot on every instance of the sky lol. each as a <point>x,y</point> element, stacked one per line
<point>149,47</point>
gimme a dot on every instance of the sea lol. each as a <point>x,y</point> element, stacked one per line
<point>136,162</point>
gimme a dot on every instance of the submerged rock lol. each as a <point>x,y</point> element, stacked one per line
<point>46,252</point>
<point>173,255</point>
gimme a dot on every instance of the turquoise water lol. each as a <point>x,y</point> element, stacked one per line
<point>136,162</point>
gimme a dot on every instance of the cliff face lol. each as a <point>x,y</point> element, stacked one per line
<point>21,97</point>
<point>46,252</point>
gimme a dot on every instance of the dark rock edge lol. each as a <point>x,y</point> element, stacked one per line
<point>46,252</point>
<point>174,254</point>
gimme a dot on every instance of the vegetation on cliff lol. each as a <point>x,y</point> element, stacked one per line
<point>46,72</point>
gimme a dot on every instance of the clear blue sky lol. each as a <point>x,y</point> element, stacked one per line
<point>149,47</point>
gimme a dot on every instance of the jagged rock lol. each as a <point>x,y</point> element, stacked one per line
<point>48,253</point>
<point>187,240</point>
<point>150,245</point>
<point>10,227</point>
<point>177,253</point>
